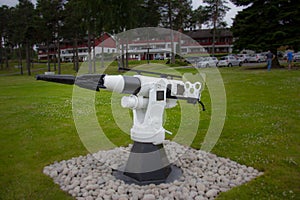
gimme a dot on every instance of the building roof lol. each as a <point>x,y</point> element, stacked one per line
<point>207,33</point>
<point>107,39</point>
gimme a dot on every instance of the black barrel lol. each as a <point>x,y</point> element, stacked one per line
<point>87,81</point>
<point>64,79</point>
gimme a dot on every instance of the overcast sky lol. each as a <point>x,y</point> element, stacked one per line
<point>231,14</point>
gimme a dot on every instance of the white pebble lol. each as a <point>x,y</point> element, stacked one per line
<point>204,176</point>
<point>200,187</point>
<point>149,197</point>
<point>211,193</point>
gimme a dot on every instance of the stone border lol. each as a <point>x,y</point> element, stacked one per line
<point>205,175</point>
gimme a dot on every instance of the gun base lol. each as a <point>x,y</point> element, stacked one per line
<point>148,164</point>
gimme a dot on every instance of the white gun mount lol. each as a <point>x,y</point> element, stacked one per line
<point>149,98</point>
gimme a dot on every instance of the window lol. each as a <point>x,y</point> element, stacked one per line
<point>160,96</point>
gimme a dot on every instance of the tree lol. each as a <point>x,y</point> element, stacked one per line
<point>88,22</point>
<point>267,25</point>
<point>199,17</point>
<point>73,29</point>
<point>15,26</point>
<point>149,15</point>
<point>4,18</point>
<point>44,22</point>
<point>215,12</point>
<point>58,20</point>
<point>175,14</point>
<point>89,19</point>
<point>124,16</point>
<point>49,23</point>
<point>26,15</point>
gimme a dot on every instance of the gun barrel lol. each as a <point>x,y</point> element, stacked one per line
<point>64,79</point>
<point>87,81</point>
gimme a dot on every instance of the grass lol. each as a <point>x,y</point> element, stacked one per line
<point>261,130</point>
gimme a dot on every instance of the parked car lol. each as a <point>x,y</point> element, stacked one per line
<point>280,54</point>
<point>229,61</point>
<point>243,57</point>
<point>296,57</point>
<point>192,60</point>
<point>259,57</point>
<point>207,62</point>
<point>159,57</point>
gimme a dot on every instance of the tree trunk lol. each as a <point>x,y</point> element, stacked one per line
<point>54,60</point>
<point>28,57</point>
<point>94,55</point>
<point>275,61</point>
<point>20,60</point>
<point>6,57</point>
<point>76,56</point>
<point>31,58</point>
<point>73,58</point>
<point>127,54</point>
<point>122,53</point>
<point>118,43</point>
<point>172,48</point>
<point>48,57</point>
<point>89,53</point>
<point>102,51</point>
<point>213,42</point>
<point>215,17</point>
<point>58,55</point>
<point>1,56</point>
<point>123,59</point>
<point>172,33</point>
<point>179,44</point>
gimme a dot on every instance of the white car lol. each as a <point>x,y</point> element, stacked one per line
<point>229,61</point>
<point>193,60</point>
<point>243,57</point>
<point>259,57</point>
<point>296,57</point>
<point>207,62</point>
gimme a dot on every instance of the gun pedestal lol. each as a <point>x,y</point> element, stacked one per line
<point>148,164</point>
<point>147,161</point>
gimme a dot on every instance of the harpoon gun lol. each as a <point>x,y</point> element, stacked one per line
<point>148,98</point>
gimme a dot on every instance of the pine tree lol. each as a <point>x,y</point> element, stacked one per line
<point>175,14</point>
<point>149,15</point>
<point>45,24</point>
<point>199,17</point>
<point>73,30</point>
<point>26,15</point>
<point>4,18</point>
<point>267,25</point>
<point>215,12</point>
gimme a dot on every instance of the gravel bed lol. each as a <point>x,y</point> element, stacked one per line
<point>204,175</point>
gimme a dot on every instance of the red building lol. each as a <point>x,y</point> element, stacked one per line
<point>223,39</point>
<point>67,48</point>
<point>156,47</point>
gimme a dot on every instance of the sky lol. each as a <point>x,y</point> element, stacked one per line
<point>228,18</point>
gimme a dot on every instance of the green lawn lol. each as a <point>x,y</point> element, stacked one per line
<point>261,130</point>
